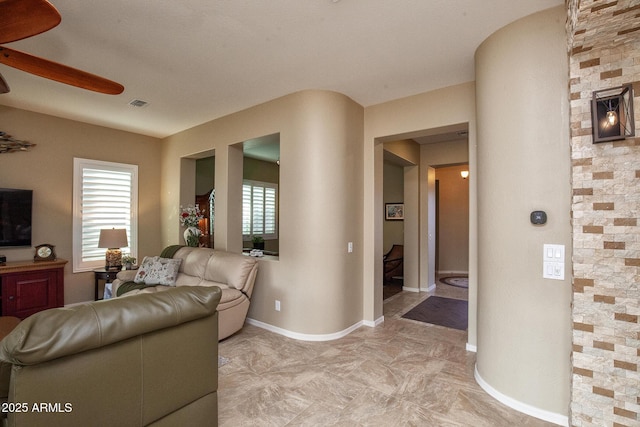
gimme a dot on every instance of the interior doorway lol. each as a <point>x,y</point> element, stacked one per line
<point>400,219</point>
<point>437,150</point>
<point>393,227</point>
<point>452,220</point>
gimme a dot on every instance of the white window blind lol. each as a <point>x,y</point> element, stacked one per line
<point>105,196</point>
<point>260,209</point>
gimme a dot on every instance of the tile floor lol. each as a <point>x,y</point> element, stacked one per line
<point>401,373</point>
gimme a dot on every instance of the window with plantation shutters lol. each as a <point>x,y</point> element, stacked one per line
<point>104,196</point>
<point>259,209</point>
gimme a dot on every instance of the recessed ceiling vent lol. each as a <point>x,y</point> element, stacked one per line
<point>138,103</point>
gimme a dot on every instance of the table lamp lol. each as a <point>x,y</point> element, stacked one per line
<point>113,239</point>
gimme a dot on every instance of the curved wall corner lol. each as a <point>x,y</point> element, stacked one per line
<point>317,281</point>
<point>320,213</point>
<point>522,107</point>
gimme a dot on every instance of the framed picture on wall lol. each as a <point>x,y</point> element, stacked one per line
<point>394,211</point>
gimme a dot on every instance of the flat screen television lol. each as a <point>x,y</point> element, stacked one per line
<point>15,217</point>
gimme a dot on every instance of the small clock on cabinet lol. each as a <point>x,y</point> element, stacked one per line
<point>45,252</point>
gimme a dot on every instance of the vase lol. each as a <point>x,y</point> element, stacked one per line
<point>192,236</point>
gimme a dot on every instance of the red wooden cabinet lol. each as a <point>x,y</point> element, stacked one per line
<point>29,287</point>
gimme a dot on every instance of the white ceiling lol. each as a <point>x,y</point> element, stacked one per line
<point>196,60</point>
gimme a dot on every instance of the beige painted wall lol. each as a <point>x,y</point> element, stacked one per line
<point>318,283</point>
<point>453,220</point>
<point>205,175</point>
<point>47,169</point>
<point>524,335</point>
<point>403,152</point>
<point>445,153</point>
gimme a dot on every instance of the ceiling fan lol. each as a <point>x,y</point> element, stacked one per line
<point>25,18</point>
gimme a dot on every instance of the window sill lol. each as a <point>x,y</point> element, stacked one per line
<point>267,254</point>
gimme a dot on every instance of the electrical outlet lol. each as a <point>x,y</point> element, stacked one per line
<point>277,305</point>
<point>350,247</point>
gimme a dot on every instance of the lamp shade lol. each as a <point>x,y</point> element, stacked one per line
<point>113,238</point>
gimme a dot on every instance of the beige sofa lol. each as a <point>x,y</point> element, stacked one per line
<point>148,360</point>
<point>235,274</point>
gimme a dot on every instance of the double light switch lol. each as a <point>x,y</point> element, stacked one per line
<point>553,262</point>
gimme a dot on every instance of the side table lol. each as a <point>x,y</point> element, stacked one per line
<point>106,276</point>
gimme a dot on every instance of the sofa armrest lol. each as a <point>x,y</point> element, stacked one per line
<point>126,275</point>
<point>123,276</point>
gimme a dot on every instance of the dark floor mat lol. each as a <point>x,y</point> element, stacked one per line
<point>447,312</point>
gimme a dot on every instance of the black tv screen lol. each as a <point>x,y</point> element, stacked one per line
<point>15,217</point>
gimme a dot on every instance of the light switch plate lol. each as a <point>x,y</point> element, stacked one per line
<point>553,262</point>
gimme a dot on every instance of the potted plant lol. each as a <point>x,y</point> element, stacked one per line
<point>258,242</point>
<point>128,261</point>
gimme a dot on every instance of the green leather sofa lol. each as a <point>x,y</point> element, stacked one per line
<point>147,360</point>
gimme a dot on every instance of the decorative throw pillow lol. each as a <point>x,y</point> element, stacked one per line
<point>158,271</point>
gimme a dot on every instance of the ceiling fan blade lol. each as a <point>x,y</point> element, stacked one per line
<point>26,18</point>
<point>58,72</point>
<point>4,87</point>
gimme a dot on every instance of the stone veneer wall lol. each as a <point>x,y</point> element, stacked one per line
<point>604,38</point>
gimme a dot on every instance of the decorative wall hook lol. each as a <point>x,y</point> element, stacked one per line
<point>9,144</point>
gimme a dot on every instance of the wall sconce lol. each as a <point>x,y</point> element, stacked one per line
<point>612,114</point>
<point>464,174</point>
<point>113,239</point>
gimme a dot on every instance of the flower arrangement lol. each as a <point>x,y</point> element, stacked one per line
<point>190,216</point>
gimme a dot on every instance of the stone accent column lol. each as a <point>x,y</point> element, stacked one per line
<point>605,53</point>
